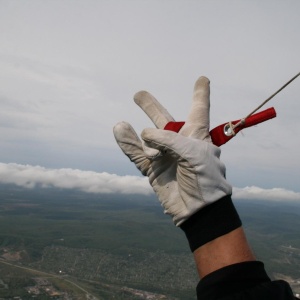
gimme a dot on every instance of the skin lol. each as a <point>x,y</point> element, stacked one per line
<point>225,250</point>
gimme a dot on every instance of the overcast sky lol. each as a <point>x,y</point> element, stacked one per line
<point>69,70</point>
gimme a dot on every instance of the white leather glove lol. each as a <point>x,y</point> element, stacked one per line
<point>184,168</point>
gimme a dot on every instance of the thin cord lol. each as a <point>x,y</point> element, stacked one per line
<point>242,121</point>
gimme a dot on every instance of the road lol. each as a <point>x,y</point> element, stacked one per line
<point>89,296</point>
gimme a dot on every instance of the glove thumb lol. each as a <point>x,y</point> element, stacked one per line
<point>168,142</point>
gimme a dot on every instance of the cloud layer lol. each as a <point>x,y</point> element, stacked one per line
<point>257,193</point>
<point>92,182</point>
<point>87,181</point>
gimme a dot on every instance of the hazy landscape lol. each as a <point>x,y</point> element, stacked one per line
<point>58,244</point>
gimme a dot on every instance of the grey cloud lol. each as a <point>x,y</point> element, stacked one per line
<point>274,194</point>
<point>92,182</point>
<point>66,83</point>
<point>87,181</point>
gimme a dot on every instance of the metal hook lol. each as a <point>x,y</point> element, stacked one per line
<point>227,130</point>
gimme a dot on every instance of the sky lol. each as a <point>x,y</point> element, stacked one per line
<point>69,70</point>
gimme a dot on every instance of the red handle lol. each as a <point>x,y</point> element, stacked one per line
<point>218,135</point>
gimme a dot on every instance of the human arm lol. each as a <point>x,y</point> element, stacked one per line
<point>188,177</point>
<point>228,249</point>
<point>225,262</point>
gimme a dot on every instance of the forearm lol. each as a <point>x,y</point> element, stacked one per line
<point>224,260</point>
<point>216,237</point>
<point>228,249</point>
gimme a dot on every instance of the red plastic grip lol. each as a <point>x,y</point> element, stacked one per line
<point>218,135</point>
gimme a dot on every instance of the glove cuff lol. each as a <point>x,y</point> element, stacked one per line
<point>211,222</point>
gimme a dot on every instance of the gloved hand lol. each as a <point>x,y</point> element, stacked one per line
<point>184,168</point>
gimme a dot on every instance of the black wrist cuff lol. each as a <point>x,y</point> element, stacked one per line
<point>211,222</point>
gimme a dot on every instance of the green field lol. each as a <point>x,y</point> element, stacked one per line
<point>105,222</point>
<point>269,226</point>
<point>114,245</point>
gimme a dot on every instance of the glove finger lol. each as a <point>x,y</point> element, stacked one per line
<point>197,124</point>
<point>155,111</point>
<point>168,142</point>
<point>131,145</point>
